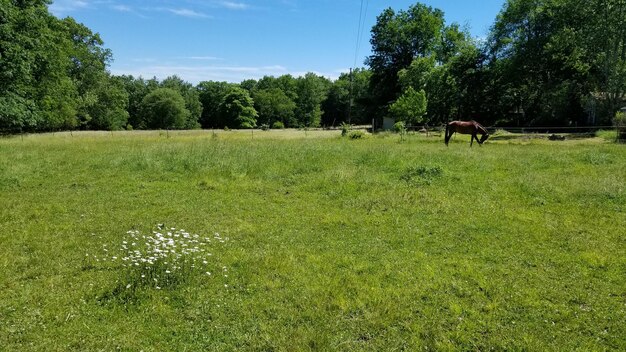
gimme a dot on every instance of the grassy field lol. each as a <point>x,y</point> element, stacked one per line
<point>325,243</point>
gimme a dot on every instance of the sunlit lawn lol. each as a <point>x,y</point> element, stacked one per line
<point>333,244</point>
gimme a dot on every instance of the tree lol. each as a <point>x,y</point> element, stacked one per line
<point>397,39</point>
<point>347,99</point>
<point>164,108</point>
<point>273,105</point>
<point>137,89</point>
<point>52,71</point>
<point>191,96</point>
<point>211,95</point>
<point>109,110</point>
<point>546,53</point>
<point>311,90</point>
<point>410,107</point>
<point>237,109</point>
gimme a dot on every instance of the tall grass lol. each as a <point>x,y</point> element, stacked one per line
<point>334,244</point>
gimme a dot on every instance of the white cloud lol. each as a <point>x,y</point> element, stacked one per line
<point>122,8</point>
<point>234,5</point>
<point>188,13</point>
<point>202,58</point>
<point>63,7</point>
<point>196,74</point>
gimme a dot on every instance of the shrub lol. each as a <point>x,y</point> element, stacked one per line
<point>399,127</point>
<point>356,134</point>
<point>345,129</point>
<point>278,125</point>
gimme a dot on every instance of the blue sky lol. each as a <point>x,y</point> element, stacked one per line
<point>233,40</point>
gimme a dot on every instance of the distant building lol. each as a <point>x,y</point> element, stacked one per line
<point>388,123</point>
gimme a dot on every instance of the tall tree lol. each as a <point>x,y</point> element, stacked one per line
<point>211,95</point>
<point>397,39</point>
<point>347,99</point>
<point>191,96</point>
<point>311,90</point>
<point>237,109</point>
<point>543,50</point>
<point>274,105</point>
<point>164,108</point>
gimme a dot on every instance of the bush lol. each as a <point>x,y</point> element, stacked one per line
<point>399,127</point>
<point>356,134</point>
<point>345,128</point>
<point>278,125</point>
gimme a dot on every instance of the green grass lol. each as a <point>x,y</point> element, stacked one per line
<point>333,244</point>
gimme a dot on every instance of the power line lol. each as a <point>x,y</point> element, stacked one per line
<point>359,35</point>
<point>361,29</point>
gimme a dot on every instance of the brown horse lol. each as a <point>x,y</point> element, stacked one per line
<point>467,127</point>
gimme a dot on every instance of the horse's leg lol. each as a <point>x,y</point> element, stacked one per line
<point>472,139</point>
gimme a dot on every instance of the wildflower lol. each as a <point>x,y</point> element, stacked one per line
<point>161,253</point>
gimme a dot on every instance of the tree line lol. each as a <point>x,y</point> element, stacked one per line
<point>545,62</point>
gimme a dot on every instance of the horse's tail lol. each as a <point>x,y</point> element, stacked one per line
<point>448,135</point>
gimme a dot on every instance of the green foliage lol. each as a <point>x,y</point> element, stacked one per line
<point>237,109</point>
<point>552,62</point>
<point>311,90</point>
<point>109,109</point>
<point>53,72</point>
<point>164,108</point>
<point>561,59</point>
<point>345,129</point>
<point>399,127</point>
<point>211,95</point>
<point>272,104</point>
<point>397,39</point>
<point>356,134</point>
<point>191,96</point>
<point>17,113</point>
<point>277,125</point>
<point>410,107</point>
<point>347,99</point>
